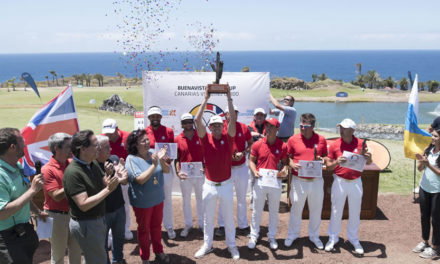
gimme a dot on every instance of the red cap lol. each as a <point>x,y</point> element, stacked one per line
<point>273,122</point>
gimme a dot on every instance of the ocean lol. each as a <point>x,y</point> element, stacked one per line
<point>337,65</point>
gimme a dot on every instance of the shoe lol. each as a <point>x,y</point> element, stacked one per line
<point>171,233</point>
<point>220,231</point>
<point>429,253</point>
<point>252,243</point>
<point>288,241</point>
<point>234,253</point>
<point>318,244</point>
<point>162,258</point>
<point>128,235</point>
<point>420,247</point>
<point>185,231</point>
<point>358,248</point>
<point>273,244</point>
<point>244,231</point>
<point>202,252</point>
<point>330,246</point>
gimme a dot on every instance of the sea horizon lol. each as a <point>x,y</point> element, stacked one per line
<point>336,64</point>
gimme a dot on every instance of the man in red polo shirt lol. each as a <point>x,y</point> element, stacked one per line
<point>266,154</point>
<point>347,184</point>
<point>159,133</point>
<point>217,151</point>
<point>117,140</point>
<point>239,174</point>
<point>307,145</point>
<point>189,150</point>
<point>258,126</point>
<point>55,202</point>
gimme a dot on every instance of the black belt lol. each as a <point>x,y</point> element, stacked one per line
<point>86,218</point>
<point>12,228</point>
<point>58,212</point>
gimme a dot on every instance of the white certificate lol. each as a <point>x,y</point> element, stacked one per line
<point>310,168</point>
<point>171,149</point>
<point>269,178</point>
<point>192,169</point>
<point>44,229</point>
<point>354,161</point>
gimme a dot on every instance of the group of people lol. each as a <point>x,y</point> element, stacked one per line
<point>88,176</point>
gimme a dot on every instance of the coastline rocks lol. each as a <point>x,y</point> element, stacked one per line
<point>291,83</point>
<point>116,104</point>
<point>380,131</point>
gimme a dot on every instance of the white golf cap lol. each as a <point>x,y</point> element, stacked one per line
<point>154,111</point>
<point>186,116</point>
<point>227,109</point>
<point>109,126</point>
<point>259,110</point>
<point>215,119</point>
<point>347,123</point>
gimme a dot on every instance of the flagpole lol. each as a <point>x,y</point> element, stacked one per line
<point>414,189</point>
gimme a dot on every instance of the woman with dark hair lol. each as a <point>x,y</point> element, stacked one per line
<point>429,198</point>
<point>145,169</point>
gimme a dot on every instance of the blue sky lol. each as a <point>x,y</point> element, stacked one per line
<point>44,26</point>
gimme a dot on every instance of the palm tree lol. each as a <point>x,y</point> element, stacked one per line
<point>24,83</point>
<point>88,79</point>
<point>372,78</point>
<point>314,77</point>
<point>83,78</point>
<point>389,82</point>
<point>99,78</point>
<point>421,86</point>
<point>12,82</point>
<point>403,83</point>
<point>54,76</point>
<point>77,78</point>
<point>6,84</point>
<point>359,68</point>
<point>47,79</point>
<point>62,78</point>
<point>245,69</point>
<point>322,77</point>
<point>360,81</point>
<point>120,77</point>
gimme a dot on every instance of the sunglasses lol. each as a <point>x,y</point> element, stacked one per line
<point>287,99</point>
<point>187,122</point>
<point>305,126</point>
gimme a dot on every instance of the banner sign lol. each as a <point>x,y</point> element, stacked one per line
<point>182,92</point>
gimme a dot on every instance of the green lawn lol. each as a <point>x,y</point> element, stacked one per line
<point>16,109</point>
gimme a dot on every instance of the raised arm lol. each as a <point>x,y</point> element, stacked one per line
<point>201,129</point>
<point>232,115</point>
<point>276,103</point>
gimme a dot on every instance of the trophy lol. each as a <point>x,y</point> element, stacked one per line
<point>216,87</point>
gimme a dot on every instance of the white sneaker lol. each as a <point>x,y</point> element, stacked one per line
<point>330,246</point>
<point>234,253</point>
<point>202,252</point>
<point>128,235</point>
<point>358,248</point>
<point>288,241</point>
<point>185,231</point>
<point>420,247</point>
<point>318,244</point>
<point>429,253</point>
<point>171,233</point>
<point>252,243</point>
<point>273,244</point>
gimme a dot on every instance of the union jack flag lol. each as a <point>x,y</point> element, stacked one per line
<point>58,115</point>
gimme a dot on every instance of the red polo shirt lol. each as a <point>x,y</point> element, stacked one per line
<point>300,148</point>
<point>53,173</point>
<point>242,135</point>
<point>162,135</point>
<point>189,150</point>
<point>218,157</point>
<point>118,147</point>
<point>268,156</point>
<point>337,148</point>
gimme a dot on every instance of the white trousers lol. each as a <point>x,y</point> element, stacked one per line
<point>186,187</point>
<point>126,206</point>
<point>223,194</point>
<point>342,189</point>
<point>168,202</point>
<point>273,196</point>
<point>301,190</point>
<point>240,179</point>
